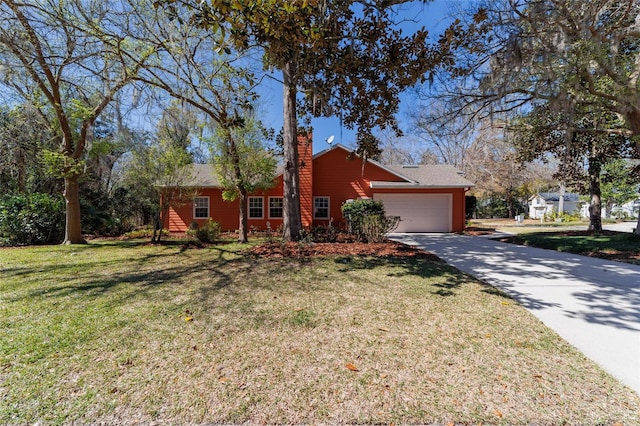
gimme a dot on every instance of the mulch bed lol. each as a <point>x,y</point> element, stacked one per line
<point>301,250</point>
<point>476,230</point>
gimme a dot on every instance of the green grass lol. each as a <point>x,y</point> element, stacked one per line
<point>618,246</point>
<point>124,332</point>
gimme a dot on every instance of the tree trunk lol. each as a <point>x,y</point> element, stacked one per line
<point>243,223</point>
<point>595,208</point>
<point>510,203</point>
<point>157,228</point>
<point>292,219</point>
<point>73,227</point>
<point>563,189</point>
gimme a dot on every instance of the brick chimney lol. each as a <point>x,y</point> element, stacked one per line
<point>305,154</point>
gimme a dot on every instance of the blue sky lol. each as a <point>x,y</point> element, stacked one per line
<point>433,16</point>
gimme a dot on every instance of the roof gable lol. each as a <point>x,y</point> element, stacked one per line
<point>369,161</point>
<point>400,176</point>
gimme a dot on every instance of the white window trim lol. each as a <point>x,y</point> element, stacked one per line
<point>208,208</point>
<point>269,208</point>
<point>328,208</point>
<point>249,208</point>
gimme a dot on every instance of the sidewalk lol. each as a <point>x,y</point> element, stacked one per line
<point>592,303</point>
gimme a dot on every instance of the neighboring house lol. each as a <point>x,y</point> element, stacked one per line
<point>545,203</point>
<point>427,198</point>
<point>629,209</point>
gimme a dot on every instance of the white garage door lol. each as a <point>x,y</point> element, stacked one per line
<point>419,212</point>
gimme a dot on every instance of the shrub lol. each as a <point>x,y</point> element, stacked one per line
<point>209,232</point>
<point>324,234</point>
<point>366,220</point>
<point>27,219</point>
<point>145,232</point>
<point>375,227</point>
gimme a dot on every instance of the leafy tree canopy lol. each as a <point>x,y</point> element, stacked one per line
<point>347,56</point>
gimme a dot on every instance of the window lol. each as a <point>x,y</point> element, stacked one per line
<point>321,207</point>
<point>201,207</point>
<point>276,205</point>
<point>255,207</point>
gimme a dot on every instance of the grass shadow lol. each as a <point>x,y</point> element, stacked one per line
<point>419,266</point>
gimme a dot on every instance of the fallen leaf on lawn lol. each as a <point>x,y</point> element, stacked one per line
<point>506,303</point>
<point>383,376</point>
<point>351,367</point>
<point>488,336</point>
<point>223,379</point>
<point>188,319</point>
<point>497,413</point>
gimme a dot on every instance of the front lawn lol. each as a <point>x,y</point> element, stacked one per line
<point>620,246</point>
<point>125,332</point>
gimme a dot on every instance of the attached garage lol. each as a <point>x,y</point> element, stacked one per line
<point>419,212</point>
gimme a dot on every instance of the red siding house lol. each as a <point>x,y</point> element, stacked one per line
<point>427,198</point>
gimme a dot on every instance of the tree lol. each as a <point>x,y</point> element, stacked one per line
<point>192,68</point>
<point>492,164</point>
<point>619,184</point>
<point>23,136</point>
<point>448,139</point>
<point>560,52</point>
<point>159,170</point>
<point>572,55</point>
<point>65,59</point>
<point>344,56</point>
<point>242,164</point>
<point>575,139</point>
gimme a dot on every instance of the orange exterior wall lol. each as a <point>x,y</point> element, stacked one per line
<point>226,213</point>
<point>336,174</point>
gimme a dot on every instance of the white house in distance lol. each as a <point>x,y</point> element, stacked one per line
<point>545,203</point>
<point>629,210</point>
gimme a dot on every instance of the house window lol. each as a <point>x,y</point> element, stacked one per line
<point>201,207</point>
<point>276,205</point>
<point>321,207</point>
<point>255,208</point>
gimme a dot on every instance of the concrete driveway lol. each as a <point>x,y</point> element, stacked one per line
<point>594,304</point>
<point>621,227</point>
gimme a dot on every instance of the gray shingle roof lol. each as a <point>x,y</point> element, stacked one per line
<point>441,175</point>
<point>555,196</point>
<point>438,175</point>
<point>203,175</point>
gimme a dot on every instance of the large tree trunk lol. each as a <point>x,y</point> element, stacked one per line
<point>510,207</point>
<point>73,227</point>
<point>563,190</point>
<point>243,223</point>
<point>292,219</point>
<point>595,208</point>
